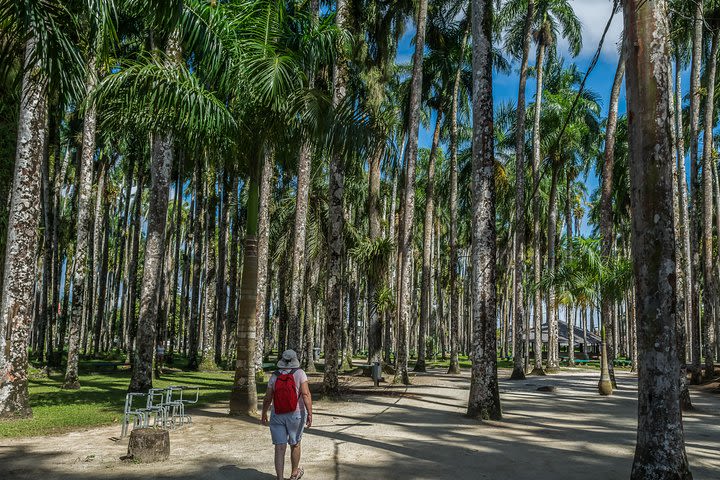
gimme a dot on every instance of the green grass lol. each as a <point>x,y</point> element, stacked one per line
<point>101,399</point>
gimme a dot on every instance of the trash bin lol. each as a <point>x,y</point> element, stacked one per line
<point>316,353</point>
<point>376,373</point>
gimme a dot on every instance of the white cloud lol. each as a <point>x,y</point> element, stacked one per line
<point>593,15</point>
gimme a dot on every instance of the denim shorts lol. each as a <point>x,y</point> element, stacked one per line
<point>287,427</point>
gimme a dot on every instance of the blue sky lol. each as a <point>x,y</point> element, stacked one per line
<point>593,15</point>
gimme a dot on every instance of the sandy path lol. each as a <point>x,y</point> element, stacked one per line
<point>418,433</point>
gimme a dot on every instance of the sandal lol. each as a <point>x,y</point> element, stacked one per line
<point>298,475</point>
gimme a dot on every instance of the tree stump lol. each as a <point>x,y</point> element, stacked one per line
<point>148,445</point>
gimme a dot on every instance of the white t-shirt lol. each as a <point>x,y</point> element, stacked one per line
<point>300,378</point>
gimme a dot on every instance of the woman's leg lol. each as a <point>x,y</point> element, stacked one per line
<point>280,460</point>
<point>295,457</point>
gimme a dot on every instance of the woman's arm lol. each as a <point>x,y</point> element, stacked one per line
<point>307,399</point>
<point>266,405</point>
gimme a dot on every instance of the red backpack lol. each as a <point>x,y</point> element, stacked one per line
<point>285,397</point>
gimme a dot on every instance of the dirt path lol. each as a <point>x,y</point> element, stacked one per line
<point>414,433</point>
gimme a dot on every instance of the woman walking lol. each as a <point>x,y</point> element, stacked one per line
<point>289,398</point>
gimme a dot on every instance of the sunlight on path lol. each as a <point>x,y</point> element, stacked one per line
<point>418,432</point>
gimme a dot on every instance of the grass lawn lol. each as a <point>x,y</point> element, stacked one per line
<point>100,400</point>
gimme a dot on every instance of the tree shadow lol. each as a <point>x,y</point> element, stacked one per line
<point>20,463</point>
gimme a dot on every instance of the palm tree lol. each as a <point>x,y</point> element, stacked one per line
<point>509,16</point>
<point>17,296</point>
<point>160,170</point>
<point>709,291</point>
<point>428,227</point>
<point>454,367</point>
<point>695,93</point>
<point>681,21</point>
<point>405,246</point>
<point>580,129</point>
<point>381,25</point>
<point>243,398</point>
<point>550,17</point>
<point>82,275</point>
<point>441,70</point>
<point>336,180</point>
<point>660,449</point>
<point>301,205</point>
<point>197,240</point>
<point>209,325</point>
<point>484,400</point>
<point>283,90</point>
<point>41,27</point>
<point>606,220</point>
<point>200,118</point>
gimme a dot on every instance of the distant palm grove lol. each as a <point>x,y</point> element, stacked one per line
<point>226,179</point>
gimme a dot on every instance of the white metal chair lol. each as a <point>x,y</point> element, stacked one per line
<point>140,416</point>
<point>175,407</point>
<point>155,404</point>
<point>182,400</point>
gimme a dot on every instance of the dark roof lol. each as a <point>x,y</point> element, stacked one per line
<point>593,338</point>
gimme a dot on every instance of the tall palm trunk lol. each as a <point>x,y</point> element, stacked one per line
<point>570,312</point>
<point>251,309</point>
<point>297,287</point>
<point>58,184</point>
<point>442,325</point>
<point>392,271</point>
<point>374,278</point>
<point>405,244</point>
<point>282,306</point>
<point>45,315</point>
<point>234,215</point>
<point>199,217</point>
<point>160,172</point>
<point>697,53</point>
<point>684,272</point>
<point>309,329</point>
<point>221,283</point>
<point>263,324</point>
<point>185,305</point>
<point>660,450</point>
<point>99,254</point>
<point>131,273</point>
<point>211,300</point>
<point>336,182</point>
<point>173,319</point>
<point>709,292</point>
<point>714,345</point>
<point>425,287</point>
<point>454,367</point>
<point>123,227</point>
<point>81,272</point>
<point>164,296</point>
<point>553,360</point>
<point>518,308</point>
<point>102,280</point>
<point>19,272</point>
<point>484,398</point>
<point>298,253</point>
<point>606,215</point>
<point>518,354</point>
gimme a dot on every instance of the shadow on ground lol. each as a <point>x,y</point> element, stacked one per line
<point>418,433</point>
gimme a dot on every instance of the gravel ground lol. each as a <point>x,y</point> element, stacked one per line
<point>415,432</point>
